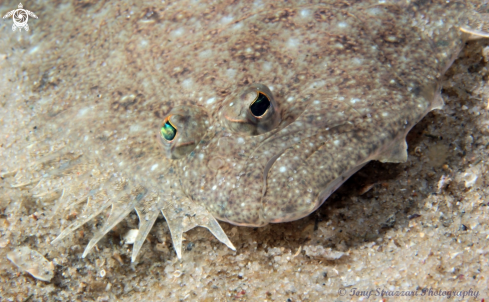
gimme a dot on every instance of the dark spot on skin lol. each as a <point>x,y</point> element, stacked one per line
<point>416,90</point>
<point>442,43</point>
<point>289,209</point>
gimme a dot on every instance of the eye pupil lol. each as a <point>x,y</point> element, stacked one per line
<point>260,105</point>
<point>168,132</point>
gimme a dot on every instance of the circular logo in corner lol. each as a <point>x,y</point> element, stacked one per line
<point>20,16</point>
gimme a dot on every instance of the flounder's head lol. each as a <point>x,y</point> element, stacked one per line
<point>254,161</point>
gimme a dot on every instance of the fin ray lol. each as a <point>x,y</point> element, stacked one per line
<point>148,211</point>
<point>187,216</point>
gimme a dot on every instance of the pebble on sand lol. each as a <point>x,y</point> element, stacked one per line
<point>32,262</point>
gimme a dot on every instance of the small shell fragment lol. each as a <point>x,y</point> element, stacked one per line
<point>469,176</point>
<point>130,236</point>
<point>32,262</point>
<point>321,252</point>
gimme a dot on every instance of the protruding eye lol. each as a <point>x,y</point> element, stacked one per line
<point>182,130</point>
<point>168,131</point>
<point>260,106</point>
<point>253,111</point>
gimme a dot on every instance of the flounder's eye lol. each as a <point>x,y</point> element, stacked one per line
<point>260,105</point>
<point>168,131</point>
<point>253,111</point>
<point>182,130</point>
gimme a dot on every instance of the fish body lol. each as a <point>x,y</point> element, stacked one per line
<point>250,113</point>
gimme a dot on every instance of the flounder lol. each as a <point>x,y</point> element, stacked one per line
<point>251,113</point>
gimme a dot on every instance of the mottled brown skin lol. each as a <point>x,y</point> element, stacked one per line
<point>350,78</point>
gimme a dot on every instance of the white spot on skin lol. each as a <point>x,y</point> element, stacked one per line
<point>317,84</point>
<point>240,140</point>
<point>342,24</point>
<point>293,43</point>
<point>357,61</point>
<point>187,83</point>
<point>143,43</point>
<point>134,128</point>
<point>353,101</point>
<point>227,19</point>
<point>205,54</point>
<point>283,169</point>
<point>34,49</point>
<point>177,32</point>
<point>153,167</point>
<point>305,13</point>
<point>267,66</point>
<point>384,114</point>
<point>231,73</point>
<point>210,101</point>
<point>214,188</point>
<point>83,111</point>
<point>339,46</point>
<point>374,11</point>
<point>336,142</point>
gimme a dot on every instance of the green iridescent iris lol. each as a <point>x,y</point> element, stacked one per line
<point>260,105</point>
<point>168,131</point>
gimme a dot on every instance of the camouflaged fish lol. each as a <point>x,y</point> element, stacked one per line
<point>245,112</point>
